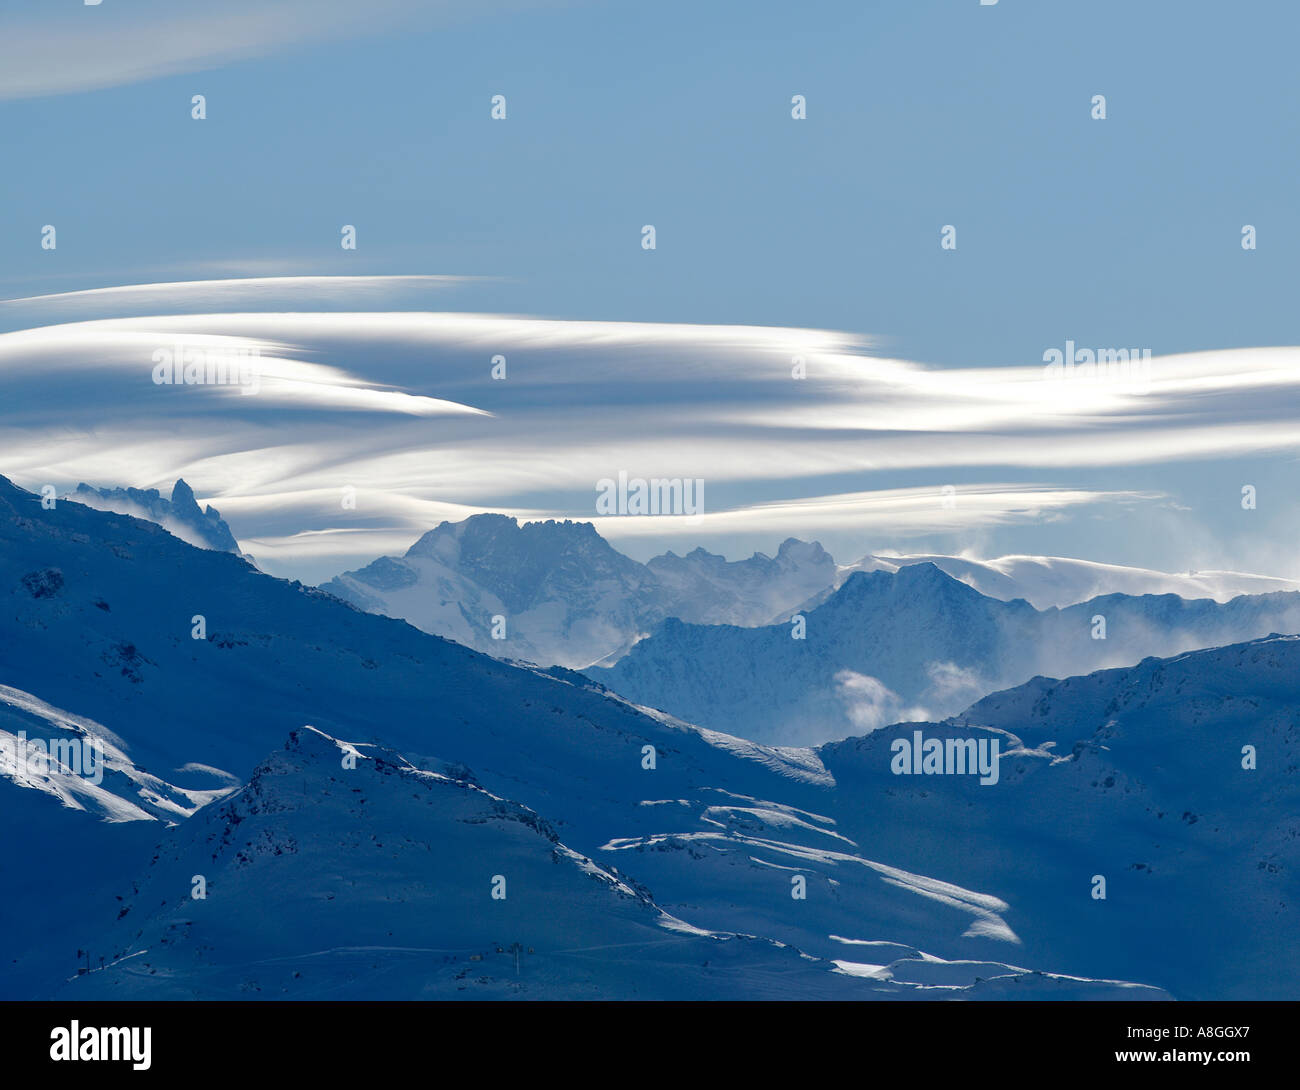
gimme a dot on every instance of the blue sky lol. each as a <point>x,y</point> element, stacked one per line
<point>921,113</point>
<point>1116,233</point>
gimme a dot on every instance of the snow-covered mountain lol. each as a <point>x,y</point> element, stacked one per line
<point>706,588</point>
<point>396,901</point>
<point>552,592</point>
<point>558,593</point>
<point>376,881</point>
<point>668,842</point>
<point>1047,581</point>
<point>180,515</point>
<point>1174,780</point>
<point>911,644</point>
<point>84,766</point>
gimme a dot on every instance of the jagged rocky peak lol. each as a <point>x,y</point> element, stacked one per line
<point>180,515</point>
<point>183,500</point>
<point>481,535</point>
<point>793,553</point>
<point>803,552</point>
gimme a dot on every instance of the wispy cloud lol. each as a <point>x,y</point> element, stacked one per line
<point>402,407</point>
<point>49,49</point>
<point>905,511</point>
<point>233,293</point>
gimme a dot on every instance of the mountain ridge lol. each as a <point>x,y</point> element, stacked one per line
<point>714,825</point>
<point>915,643</point>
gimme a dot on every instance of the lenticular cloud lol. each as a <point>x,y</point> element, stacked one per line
<point>438,415</point>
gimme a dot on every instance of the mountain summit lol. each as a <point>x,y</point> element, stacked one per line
<point>558,593</point>
<point>180,515</point>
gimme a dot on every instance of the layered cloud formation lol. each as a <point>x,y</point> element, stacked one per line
<point>362,430</point>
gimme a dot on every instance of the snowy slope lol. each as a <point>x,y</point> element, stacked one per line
<point>323,881</point>
<point>911,644</point>
<point>711,835</point>
<point>102,780</point>
<point>396,902</point>
<point>1135,775</point>
<point>72,838</point>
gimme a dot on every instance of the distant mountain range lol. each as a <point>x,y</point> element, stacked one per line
<point>558,593</point>
<point>711,640</point>
<point>636,856</point>
<point>911,644</point>
<point>563,594</point>
<point>1047,581</point>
